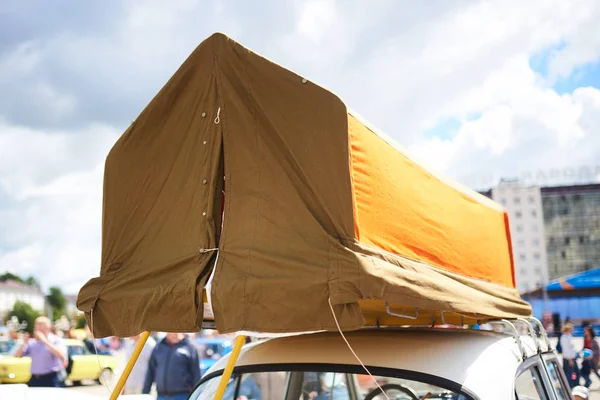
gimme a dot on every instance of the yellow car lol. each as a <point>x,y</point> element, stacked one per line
<point>83,365</point>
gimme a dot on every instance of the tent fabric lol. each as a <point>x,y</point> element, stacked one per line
<point>582,281</point>
<point>318,208</point>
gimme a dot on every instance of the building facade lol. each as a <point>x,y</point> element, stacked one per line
<point>572,226</point>
<point>13,291</point>
<point>555,230</point>
<point>524,206</point>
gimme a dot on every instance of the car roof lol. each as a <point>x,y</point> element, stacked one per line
<point>466,357</point>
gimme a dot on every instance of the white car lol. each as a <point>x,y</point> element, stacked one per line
<point>407,363</point>
<point>23,392</point>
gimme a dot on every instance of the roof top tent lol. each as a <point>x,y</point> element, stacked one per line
<point>323,215</point>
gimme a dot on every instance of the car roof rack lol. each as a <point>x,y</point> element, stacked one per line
<point>515,334</point>
<point>531,324</point>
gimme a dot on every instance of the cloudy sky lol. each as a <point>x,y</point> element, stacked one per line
<point>476,89</point>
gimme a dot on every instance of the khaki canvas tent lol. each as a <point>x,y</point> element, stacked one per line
<point>241,167</point>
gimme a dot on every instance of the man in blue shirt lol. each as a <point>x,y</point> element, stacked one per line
<point>174,366</point>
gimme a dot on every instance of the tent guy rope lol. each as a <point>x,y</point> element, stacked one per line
<point>353,352</point>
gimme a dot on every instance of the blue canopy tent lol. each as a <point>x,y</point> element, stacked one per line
<point>576,297</point>
<point>587,280</point>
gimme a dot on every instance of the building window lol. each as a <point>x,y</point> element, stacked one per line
<point>519,228</point>
<point>567,240</point>
<point>536,256</point>
<point>536,242</point>
<point>517,200</point>
<point>523,257</point>
<point>563,254</point>
<point>519,214</point>
<point>523,271</point>
<point>521,243</point>
<point>535,228</point>
<point>538,270</point>
<point>582,239</point>
<point>503,202</point>
<point>531,199</point>
<point>533,213</point>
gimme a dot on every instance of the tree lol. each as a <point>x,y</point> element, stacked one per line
<point>24,312</point>
<point>32,281</point>
<point>8,276</point>
<point>57,301</point>
<point>80,322</point>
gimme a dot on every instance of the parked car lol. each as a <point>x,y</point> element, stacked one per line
<point>211,350</point>
<point>6,345</point>
<point>83,365</point>
<point>23,392</point>
<point>407,363</point>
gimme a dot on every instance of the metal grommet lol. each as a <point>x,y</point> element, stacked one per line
<point>203,115</point>
<point>204,142</point>
<point>304,80</point>
<point>204,182</point>
<point>204,213</point>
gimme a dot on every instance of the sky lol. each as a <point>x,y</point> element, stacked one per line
<point>478,90</point>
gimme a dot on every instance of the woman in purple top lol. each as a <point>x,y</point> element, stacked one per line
<point>47,352</point>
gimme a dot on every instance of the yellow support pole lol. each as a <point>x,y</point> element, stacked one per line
<point>235,352</point>
<point>130,364</point>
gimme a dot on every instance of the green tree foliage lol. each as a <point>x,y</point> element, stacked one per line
<point>24,312</point>
<point>8,276</point>
<point>32,281</point>
<point>80,322</point>
<point>57,301</point>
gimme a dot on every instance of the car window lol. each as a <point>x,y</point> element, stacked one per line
<point>558,384</point>
<point>76,350</point>
<point>529,385</point>
<point>251,386</point>
<point>325,383</point>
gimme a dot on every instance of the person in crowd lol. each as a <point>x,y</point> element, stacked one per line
<point>587,367</point>
<point>135,382</point>
<point>246,390</point>
<point>174,366</point>
<point>581,393</point>
<point>88,340</point>
<point>589,342</point>
<point>48,355</point>
<point>569,355</point>
<point>104,346</point>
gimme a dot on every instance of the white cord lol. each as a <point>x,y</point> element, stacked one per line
<point>353,352</point>
<point>202,251</point>
<point>96,350</point>
<point>218,119</point>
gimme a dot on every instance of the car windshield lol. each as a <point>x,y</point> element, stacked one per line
<point>328,383</point>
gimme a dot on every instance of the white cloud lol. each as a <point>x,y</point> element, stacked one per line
<point>538,129</point>
<point>71,88</point>
<point>51,186</point>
